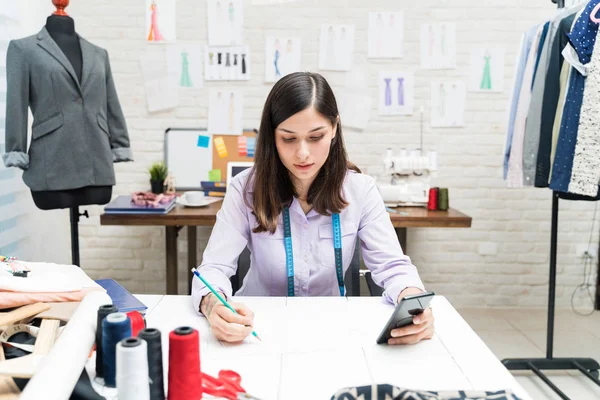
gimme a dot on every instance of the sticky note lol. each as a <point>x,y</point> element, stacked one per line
<point>214,175</point>
<point>251,143</point>
<point>220,146</point>
<point>242,149</point>
<point>203,141</point>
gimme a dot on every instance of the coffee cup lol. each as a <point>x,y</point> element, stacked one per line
<point>194,197</point>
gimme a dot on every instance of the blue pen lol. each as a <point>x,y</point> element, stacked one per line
<point>220,297</point>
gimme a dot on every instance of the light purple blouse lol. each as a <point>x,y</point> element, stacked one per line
<point>312,238</point>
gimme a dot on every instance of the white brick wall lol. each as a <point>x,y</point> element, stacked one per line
<point>501,260</point>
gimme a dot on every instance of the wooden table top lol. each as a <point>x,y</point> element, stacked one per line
<point>404,217</point>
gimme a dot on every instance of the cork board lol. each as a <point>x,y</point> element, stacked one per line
<point>220,160</point>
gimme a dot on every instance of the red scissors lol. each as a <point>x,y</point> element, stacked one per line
<point>227,385</point>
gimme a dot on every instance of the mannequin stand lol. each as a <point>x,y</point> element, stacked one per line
<point>75,214</point>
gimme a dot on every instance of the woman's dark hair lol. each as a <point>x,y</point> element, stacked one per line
<point>272,185</point>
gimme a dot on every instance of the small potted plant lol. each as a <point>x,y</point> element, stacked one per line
<point>158,174</point>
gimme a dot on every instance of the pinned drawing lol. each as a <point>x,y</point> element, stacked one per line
<point>160,20</point>
<point>226,63</point>
<point>225,112</point>
<point>438,45</point>
<point>282,57</point>
<point>225,22</point>
<point>336,47</point>
<point>447,104</point>
<point>185,63</point>
<point>386,34</point>
<point>396,93</point>
<point>487,70</point>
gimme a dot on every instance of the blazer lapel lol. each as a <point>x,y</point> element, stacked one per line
<point>46,42</point>
<point>87,58</point>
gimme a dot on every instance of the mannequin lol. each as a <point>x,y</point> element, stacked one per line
<point>62,29</point>
<point>78,130</point>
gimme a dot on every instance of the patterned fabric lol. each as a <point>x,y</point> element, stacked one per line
<point>389,392</point>
<point>586,163</point>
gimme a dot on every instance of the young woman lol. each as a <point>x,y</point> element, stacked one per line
<point>294,209</point>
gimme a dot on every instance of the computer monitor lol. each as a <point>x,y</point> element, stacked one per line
<point>235,167</point>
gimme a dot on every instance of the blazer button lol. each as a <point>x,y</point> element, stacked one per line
<point>79,100</point>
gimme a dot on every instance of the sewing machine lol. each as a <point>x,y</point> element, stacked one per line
<point>409,176</point>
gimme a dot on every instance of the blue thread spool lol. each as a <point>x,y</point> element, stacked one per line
<point>115,327</point>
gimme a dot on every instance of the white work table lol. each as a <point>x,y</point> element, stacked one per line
<point>314,346</point>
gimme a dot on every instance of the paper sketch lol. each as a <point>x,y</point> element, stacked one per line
<point>355,109</point>
<point>386,34</point>
<point>225,112</point>
<point>282,57</point>
<point>225,22</point>
<point>184,60</point>
<point>438,46</point>
<point>227,63</point>
<point>159,83</point>
<point>396,93</point>
<point>448,103</point>
<point>487,70</point>
<point>336,47</point>
<point>160,20</point>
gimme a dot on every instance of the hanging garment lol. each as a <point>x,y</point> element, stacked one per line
<point>534,116</point>
<point>514,176</point>
<point>585,173</point>
<point>525,48</point>
<point>565,78</point>
<point>578,53</point>
<point>551,105</point>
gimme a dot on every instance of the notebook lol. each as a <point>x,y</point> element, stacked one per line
<point>123,205</point>
<point>121,298</point>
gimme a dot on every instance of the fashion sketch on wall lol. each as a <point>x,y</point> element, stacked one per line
<point>184,60</point>
<point>225,112</point>
<point>160,21</point>
<point>160,78</point>
<point>386,34</point>
<point>282,57</point>
<point>447,104</point>
<point>438,46</point>
<point>487,70</point>
<point>225,22</point>
<point>336,47</point>
<point>227,63</point>
<point>396,93</point>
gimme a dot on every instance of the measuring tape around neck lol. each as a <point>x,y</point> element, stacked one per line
<point>289,252</point>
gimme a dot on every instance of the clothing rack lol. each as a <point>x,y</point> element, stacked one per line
<point>587,366</point>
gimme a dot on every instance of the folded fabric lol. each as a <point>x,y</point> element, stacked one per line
<point>389,392</point>
<point>47,278</point>
<point>17,299</point>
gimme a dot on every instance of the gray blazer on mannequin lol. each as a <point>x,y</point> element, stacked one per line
<point>78,128</point>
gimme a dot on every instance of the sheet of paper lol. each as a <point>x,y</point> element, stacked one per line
<point>227,63</point>
<point>160,86</point>
<point>336,47</point>
<point>448,103</point>
<point>438,45</point>
<point>184,61</point>
<point>225,22</point>
<point>396,93</point>
<point>160,21</point>
<point>319,374</point>
<point>225,112</point>
<point>188,163</point>
<point>487,69</point>
<point>10,11</point>
<point>355,109</point>
<point>269,2</point>
<point>282,57</point>
<point>386,34</point>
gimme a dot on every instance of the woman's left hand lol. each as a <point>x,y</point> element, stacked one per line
<point>421,329</point>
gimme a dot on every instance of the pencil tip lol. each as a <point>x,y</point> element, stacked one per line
<point>258,337</point>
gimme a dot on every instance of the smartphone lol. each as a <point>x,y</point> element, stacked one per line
<point>404,313</point>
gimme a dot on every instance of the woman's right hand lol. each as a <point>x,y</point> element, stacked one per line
<point>224,323</point>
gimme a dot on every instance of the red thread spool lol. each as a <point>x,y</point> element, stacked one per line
<point>185,380</point>
<point>137,322</point>
<point>432,204</point>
